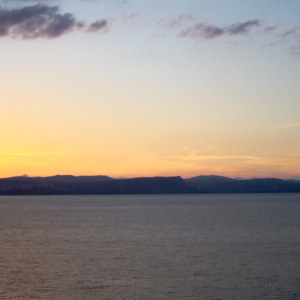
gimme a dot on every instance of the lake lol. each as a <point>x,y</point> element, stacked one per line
<point>242,246</point>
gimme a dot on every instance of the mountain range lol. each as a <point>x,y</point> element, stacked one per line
<point>85,185</point>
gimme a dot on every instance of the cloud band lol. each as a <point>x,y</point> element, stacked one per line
<point>208,31</point>
<point>41,21</point>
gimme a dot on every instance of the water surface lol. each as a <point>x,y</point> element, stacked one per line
<point>150,247</point>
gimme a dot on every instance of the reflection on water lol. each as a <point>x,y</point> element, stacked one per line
<point>150,247</point>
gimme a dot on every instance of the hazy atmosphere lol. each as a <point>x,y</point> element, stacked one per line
<point>150,88</point>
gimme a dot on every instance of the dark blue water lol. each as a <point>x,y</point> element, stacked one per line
<point>150,247</point>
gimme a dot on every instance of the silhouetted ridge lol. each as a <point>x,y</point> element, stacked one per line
<point>81,185</point>
<point>70,185</point>
<point>257,185</point>
<point>59,179</point>
<point>204,181</point>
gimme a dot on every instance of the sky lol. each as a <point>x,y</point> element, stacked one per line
<point>150,88</point>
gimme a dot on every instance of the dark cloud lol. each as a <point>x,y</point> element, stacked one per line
<point>290,32</point>
<point>98,25</point>
<point>270,28</point>
<point>202,31</point>
<point>243,28</point>
<point>40,20</point>
<point>208,31</point>
<point>291,36</point>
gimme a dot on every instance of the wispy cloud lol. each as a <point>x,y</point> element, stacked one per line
<point>193,157</point>
<point>209,31</point>
<point>41,21</point>
<point>287,126</point>
<point>178,21</point>
<point>96,26</point>
<point>270,28</point>
<point>290,32</point>
<point>292,36</point>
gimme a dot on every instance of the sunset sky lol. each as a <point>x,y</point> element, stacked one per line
<point>150,88</point>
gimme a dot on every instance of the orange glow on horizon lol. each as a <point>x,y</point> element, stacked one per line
<point>147,165</point>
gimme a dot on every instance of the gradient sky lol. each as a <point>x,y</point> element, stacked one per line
<point>150,88</point>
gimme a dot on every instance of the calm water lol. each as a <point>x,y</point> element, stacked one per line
<point>150,247</point>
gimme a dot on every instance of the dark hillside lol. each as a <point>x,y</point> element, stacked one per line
<point>258,185</point>
<point>205,181</point>
<point>67,185</point>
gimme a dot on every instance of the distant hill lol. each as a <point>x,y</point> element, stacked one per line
<point>59,179</point>
<point>219,184</point>
<point>71,185</point>
<point>203,181</point>
<point>94,185</point>
<point>293,180</point>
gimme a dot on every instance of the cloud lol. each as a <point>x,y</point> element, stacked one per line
<point>209,31</point>
<point>96,26</point>
<point>194,157</point>
<point>290,32</point>
<point>243,28</point>
<point>287,126</point>
<point>190,26</point>
<point>270,28</point>
<point>291,36</point>
<point>202,31</point>
<point>180,20</point>
<point>40,21</point>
